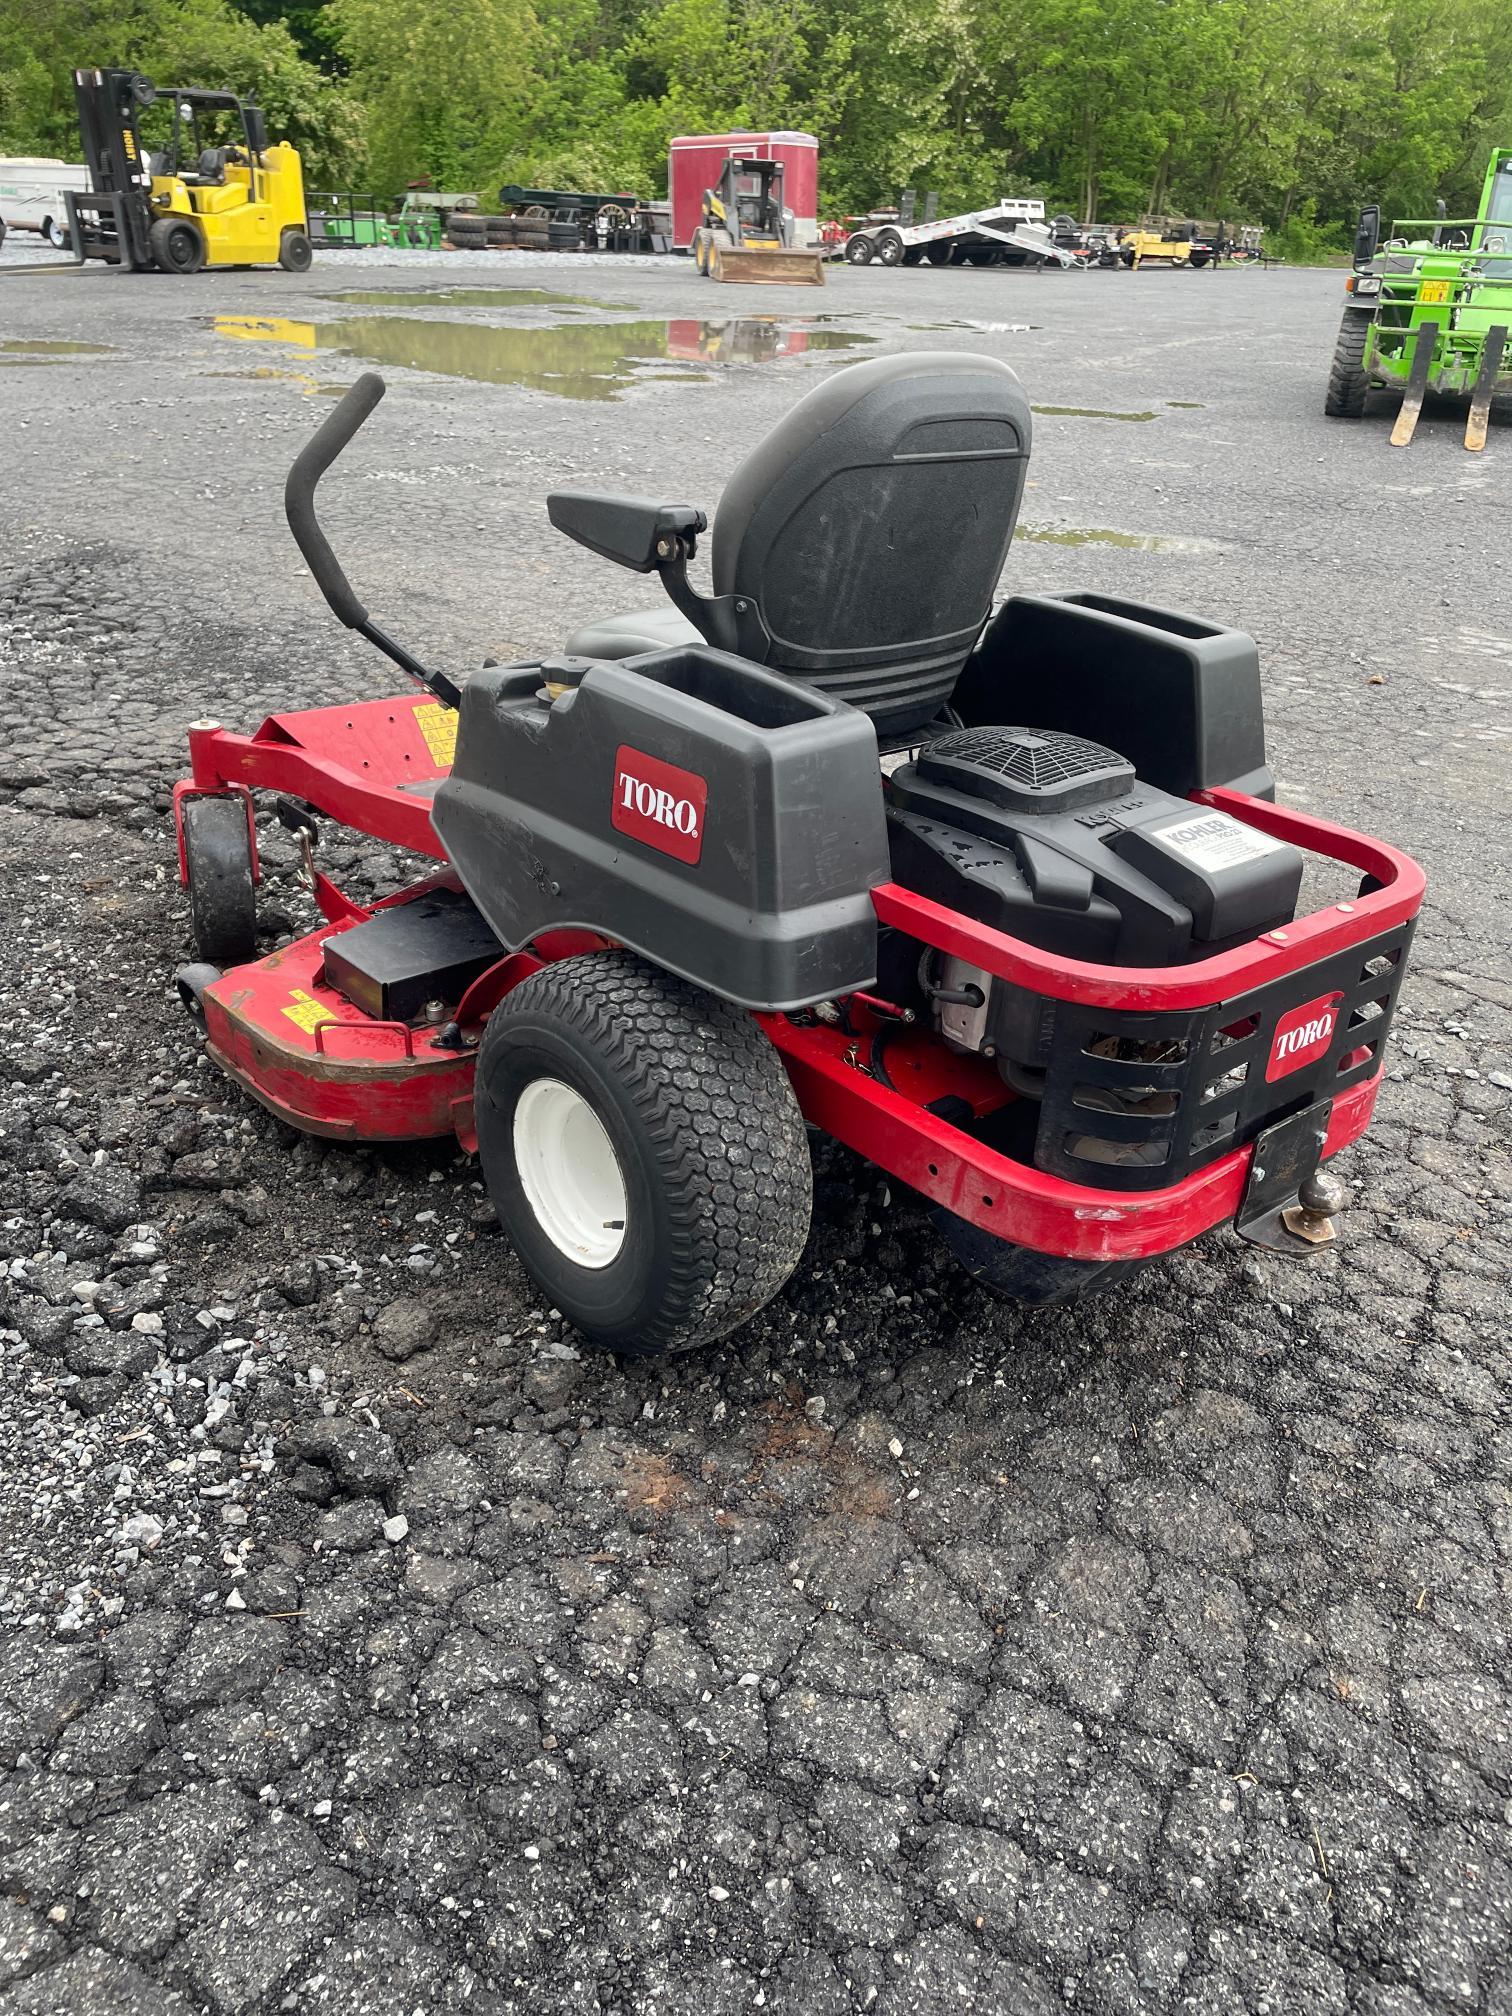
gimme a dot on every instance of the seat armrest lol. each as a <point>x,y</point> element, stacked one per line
<point>627,530</point>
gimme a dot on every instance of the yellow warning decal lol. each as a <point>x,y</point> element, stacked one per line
<point>438,725</point>
<point>307,1011</point>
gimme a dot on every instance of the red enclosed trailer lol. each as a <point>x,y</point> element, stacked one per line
<point>694,162</point>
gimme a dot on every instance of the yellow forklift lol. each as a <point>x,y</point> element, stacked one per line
<point>190,204</point>
<point>747,234</point>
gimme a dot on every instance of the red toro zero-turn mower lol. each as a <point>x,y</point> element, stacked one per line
<point>1002,904</point>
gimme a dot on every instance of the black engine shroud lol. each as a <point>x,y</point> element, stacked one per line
<point>1053,839</point>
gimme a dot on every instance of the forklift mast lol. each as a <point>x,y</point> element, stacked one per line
<point>119,176</point>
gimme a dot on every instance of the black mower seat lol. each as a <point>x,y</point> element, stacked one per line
<point>628,636</point>
<point>868,530</point>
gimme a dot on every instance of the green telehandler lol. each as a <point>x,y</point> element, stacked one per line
<point>1429,310</point>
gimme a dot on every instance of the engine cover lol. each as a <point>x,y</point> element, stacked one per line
<point>1052,838</point>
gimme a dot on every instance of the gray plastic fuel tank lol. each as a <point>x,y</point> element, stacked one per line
<point>722,820</point>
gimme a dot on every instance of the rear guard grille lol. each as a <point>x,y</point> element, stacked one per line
<point>1137,1102</point>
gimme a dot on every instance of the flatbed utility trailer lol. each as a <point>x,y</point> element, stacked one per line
<point>1430,311</point>
<point>1014,224</point>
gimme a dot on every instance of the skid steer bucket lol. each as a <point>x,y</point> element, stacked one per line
<point>794,269</point>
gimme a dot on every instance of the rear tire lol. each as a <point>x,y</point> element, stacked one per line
<point>858,251</point>
<point>55,234</point>
<point>1348,380</point>
<point>644,1152</point>
<point>177,245</point>
<point>222,895</point>
<point>295,252</point>
<point>889,248</point>
<point>938,254</point>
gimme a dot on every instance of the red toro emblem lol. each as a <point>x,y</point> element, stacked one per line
<point>658,804</point>
<point>1303,1036</point>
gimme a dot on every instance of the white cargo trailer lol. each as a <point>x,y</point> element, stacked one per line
<point>1014,225</point>
<point>31,195</point>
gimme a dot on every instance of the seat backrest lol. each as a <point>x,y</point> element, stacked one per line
<point>872,523</point>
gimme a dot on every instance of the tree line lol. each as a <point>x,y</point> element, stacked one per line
<point>1286,112</point>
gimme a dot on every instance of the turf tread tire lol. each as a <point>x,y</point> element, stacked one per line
<point>712,1102</point>
<point>1348,380</point>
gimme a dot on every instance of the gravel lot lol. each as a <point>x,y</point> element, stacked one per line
<point>366,1647</point>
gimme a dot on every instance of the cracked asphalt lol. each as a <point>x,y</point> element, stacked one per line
<point>368,1644</point>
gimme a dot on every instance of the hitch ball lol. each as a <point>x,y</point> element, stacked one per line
<point>1320,1199</point>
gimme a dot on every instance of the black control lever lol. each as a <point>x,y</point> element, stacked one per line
<point>310,465</point>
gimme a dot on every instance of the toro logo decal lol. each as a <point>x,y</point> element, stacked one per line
<point>658,804</point>
<point>1303,1036</point>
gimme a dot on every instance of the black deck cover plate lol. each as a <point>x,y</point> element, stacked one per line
<point>428,949</point>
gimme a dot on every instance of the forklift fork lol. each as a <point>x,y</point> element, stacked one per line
<point>1485,387</point>
<point>1417,385</point>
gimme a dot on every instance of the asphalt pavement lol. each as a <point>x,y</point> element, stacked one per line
<point>367,1643</point>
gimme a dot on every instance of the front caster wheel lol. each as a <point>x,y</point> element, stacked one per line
<point>644,1152</point>
<point>222,892</point>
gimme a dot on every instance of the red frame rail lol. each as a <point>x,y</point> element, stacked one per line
<point>359,764</point>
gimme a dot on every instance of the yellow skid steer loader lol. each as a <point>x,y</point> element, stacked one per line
<point>746,234</point>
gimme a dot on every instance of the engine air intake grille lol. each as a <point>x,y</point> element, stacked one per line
<point>1022,767</point>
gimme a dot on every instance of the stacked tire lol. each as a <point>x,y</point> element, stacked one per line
<point>467,230</point>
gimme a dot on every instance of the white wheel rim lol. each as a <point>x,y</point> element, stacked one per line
<point>570,1173</point>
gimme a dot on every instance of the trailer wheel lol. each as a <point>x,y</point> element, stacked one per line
<point>644,1152</point>
<point>858,251</point>
<point>889,248</point>
<point>295,252</point>
<point>938,254</point>
<point>222,896</point>
<point>55,234</point>
<point>1348,381</point>
<point>177,245</point>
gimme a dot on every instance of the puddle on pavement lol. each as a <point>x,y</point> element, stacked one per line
<point>311,387</point>
<point>981,328</point>
<point>1188,405</point>
<point>468,297</point>
<point>1141,542</point>
<point>38,352</point>
<point>1093,413</point>
<point>574,360</point>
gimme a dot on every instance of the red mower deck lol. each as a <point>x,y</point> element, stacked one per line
<point>321,1064</point>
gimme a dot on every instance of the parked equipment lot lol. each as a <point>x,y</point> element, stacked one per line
<point>906,1653</point>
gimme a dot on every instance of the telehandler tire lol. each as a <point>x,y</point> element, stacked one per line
<point>295,252</point>
<point>644,1151</point>
<point>1348,380</point>
<point>178,245</point>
